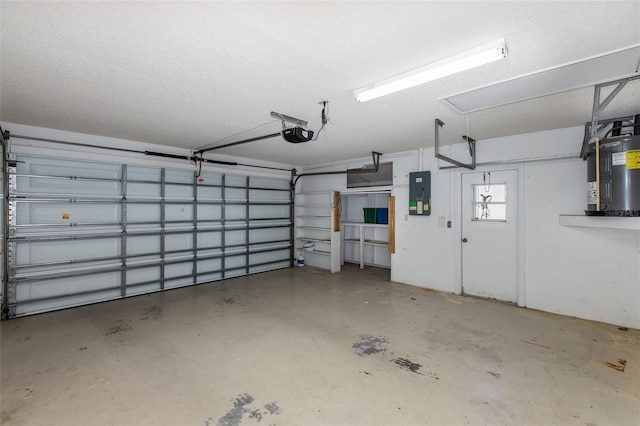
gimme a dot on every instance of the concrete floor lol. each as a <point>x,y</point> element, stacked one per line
<point>301,346</point>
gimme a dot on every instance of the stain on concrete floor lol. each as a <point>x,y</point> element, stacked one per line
<point>241,407</point>
<point>369,345</point>
<point>119,326</point>
<point>408,365</point>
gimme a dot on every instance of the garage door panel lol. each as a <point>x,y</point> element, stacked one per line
<point>40,213</point>
<point>179,269</point>
<point>209,265</point>
<point>143,173</point>
<point>178,282</point>
<point>257,236</point>
<point>209,212</point>
<point>143,212</point>
<point>173,176</point>
<point>235,194</point>
<point>31,308</point>
<point>87,186</point>
<point>60,251</point>
<point>269,256</point>
<point>272,266</point>
<point>235,261</point>
<point>82,232</point>
<point>262,194</point>
<point>179,242</point>
<point>205,278</point>
<point>178,212</point>
<point>209,239</point>
<point>210,186</point>
<point>143,289</point>
<point>143,275</point>
<point>35,290</point>
<point>268,212</point>
<point>235,237</point>
<point>137,245</point>
<point>142,190</point>
<point>235,212</point>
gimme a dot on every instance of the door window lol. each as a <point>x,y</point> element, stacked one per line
<point>489,202</point>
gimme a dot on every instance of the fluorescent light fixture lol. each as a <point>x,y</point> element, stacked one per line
<point>618,64</point>
<point>463,61</point>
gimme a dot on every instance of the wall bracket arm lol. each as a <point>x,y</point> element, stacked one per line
<point>472,150</point>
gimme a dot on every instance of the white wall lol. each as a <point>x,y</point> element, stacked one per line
<point>589,273</point>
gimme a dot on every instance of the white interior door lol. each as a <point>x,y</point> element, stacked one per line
<point>490,234</point>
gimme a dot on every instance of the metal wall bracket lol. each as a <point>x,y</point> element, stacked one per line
<point>456,163</point>
<point>592,128</point>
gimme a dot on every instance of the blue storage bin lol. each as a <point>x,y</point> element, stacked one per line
<point>382,215</point>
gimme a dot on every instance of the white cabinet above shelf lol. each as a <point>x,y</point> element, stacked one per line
<point>606,222</point>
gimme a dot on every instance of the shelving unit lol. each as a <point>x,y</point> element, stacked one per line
<point>317,217</point>
<point>366,243</point>
<point>371,236</point>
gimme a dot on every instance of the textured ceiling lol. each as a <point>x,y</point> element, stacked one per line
<point>196,74</point>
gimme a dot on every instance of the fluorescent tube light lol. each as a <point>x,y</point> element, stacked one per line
<point>463,61</point>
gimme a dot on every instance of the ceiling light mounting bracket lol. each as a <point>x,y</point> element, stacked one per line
<point>456,163</point>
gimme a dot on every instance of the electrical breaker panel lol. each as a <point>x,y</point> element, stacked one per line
<point>420,193</point>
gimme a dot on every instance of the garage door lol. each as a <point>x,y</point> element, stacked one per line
<point>81,232</point>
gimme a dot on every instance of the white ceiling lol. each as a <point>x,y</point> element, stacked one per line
<point>194,74</point>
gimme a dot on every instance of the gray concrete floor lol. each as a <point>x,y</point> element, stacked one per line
<point>301,346</point>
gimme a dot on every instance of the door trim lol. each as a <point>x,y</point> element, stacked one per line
<point>456,201</point>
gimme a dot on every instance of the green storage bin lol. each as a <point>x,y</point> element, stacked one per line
<point>369,215</point>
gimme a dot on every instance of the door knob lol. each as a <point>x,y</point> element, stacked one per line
<point>464,240</point>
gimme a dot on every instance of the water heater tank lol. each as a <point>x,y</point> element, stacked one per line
<point>619,177</point>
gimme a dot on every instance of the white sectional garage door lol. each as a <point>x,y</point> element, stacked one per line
<point>84,232</point>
